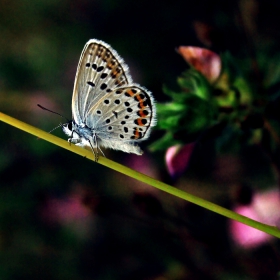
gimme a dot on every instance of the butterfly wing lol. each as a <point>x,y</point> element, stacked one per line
<point>126,114</point>
<point>100,70</point>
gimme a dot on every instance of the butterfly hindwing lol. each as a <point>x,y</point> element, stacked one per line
<point>125,114</point>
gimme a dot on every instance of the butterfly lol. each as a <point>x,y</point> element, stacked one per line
<point>108,109</point>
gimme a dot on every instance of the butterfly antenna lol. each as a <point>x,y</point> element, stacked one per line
<point>40,106</point>
<point>60,125</point>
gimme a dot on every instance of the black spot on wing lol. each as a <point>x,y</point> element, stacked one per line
<point>91,84</point>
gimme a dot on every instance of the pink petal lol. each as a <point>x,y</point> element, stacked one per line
<point>265,208</point>
<point>177,158</point>
<point>205,61</point>
<point>267,204</point>
<point>245,236</point>
<point>65,211</point>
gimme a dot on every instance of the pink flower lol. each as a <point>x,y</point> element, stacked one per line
<point>265,208</point>
<point>143,164</point>
<point>69,212</point>
<point>208,63</point>
<point>177,158</point>
<point>204,32</point>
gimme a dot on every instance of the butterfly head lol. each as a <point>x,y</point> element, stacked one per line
<point>79,134</point>
<point>68,128</point>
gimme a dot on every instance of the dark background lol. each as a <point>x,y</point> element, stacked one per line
<point>64,217</point>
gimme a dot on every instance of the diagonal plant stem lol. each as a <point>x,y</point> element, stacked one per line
<point>141,177</point>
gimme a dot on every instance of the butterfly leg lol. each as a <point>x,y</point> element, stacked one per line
<point>94,145</point>
<point>75,140</point>
<point>101,151</point>
<point>71,139</point>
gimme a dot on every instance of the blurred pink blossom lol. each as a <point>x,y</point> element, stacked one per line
<point>265,208</point>
<point>208,63</point>
<point>67,210</point>
<point>204,32</point>
<point>70,212</point>
<point>42,99</point>
<point>142,164</point>
<point>145,165</point>
<point>177,158</point>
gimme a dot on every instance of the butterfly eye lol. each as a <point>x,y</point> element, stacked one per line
<point>69,126</point>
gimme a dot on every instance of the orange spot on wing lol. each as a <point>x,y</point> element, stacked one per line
<point>142,105</point>
<point>141,113</point>
<point>136,133</point>
<point>139,122</point>
<point>138,97</point>
<point>115,73</point>
<point>130,92</point>
<point>142,102</point>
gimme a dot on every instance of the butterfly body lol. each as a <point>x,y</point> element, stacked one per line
<point>83,136</point>
<point>80,135</point>
<point>109,110</point>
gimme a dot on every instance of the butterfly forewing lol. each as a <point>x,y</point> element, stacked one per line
<point>100,70</point>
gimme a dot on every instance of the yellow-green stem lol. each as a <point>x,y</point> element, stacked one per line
<point>141,177</point>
